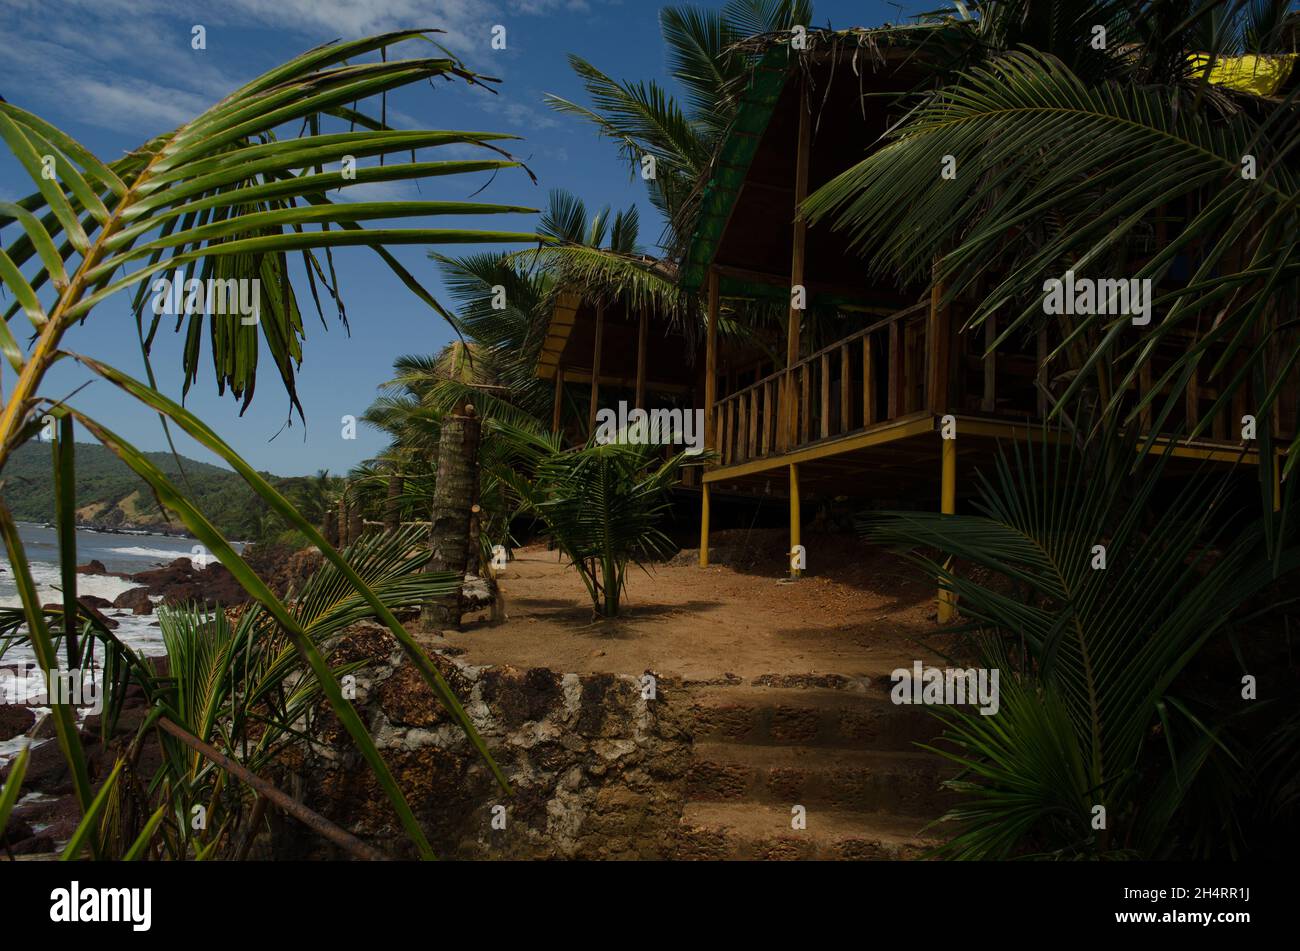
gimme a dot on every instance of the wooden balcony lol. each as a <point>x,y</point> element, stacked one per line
<point>889,373</point>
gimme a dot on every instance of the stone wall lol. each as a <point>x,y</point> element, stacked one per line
<point>597,770</point>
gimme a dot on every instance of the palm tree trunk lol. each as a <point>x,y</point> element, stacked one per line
<point>454,493</point>
<point>393,508</point>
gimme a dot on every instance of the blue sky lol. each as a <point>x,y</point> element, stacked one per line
<point>112,73</point>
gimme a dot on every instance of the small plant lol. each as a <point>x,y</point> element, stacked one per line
<point>600,504</point>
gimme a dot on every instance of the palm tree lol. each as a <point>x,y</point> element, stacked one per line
<point>600,504</point>
<point>1094,710</point>
<point>228,194</point>
<point>645,120</point>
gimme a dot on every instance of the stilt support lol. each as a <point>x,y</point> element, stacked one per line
<point>704,525</point>
<point>795,540</point>
<point>948,506</point>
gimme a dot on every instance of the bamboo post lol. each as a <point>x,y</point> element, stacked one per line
<point>642,335</point>
<point>704,525</point>
<point>595,370</point>
<point>948,506</point>
<point>711,363</point>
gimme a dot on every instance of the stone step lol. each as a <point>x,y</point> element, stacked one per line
<point>846,718</point>
<point>746,831</point>
<point>905,783</point>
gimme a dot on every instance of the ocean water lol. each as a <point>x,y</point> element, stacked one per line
<point>120,553</point>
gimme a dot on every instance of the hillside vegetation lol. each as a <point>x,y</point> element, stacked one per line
<point>110,495</point>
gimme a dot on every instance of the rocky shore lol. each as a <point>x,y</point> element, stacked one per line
<point>181,581</point>
<point>43,821</point>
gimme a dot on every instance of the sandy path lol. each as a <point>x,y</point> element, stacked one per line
<point>870,616</point>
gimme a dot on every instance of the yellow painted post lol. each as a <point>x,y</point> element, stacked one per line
<point>794,519</point>
<point>948,506</point>
<point>704,525</point>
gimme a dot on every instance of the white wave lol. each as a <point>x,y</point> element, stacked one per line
<point>49,585</point>
<point>162,554</point>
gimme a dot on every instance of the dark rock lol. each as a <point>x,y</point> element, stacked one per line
<point>95,600</point>
<point>47,771</point>
<point>180,583</point>
<point>92,567</point>
<point>407,700</point>
<point>607,704</point>
<point>136,599</point>
<point>519,696</point>
<point>15,720</point>
<point>36,845</point>
<point>16,830</point>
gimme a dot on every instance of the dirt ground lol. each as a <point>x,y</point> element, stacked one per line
<point>863,614</point>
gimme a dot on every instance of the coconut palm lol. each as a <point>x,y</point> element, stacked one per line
<point>239,685</point>
<point>227,196</point>
<point>1098,589</point>
<point>600,504</point>
<point>645,120</point>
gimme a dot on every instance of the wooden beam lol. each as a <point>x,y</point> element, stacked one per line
<point>868,384</point>
<point>730,430</point>
<point>595,369</point>
<point>558,409</point>
<point>826,395</point>
<point>805,396</point>
<point>938,350</point>
<point>846,378</point>
<point>753,424</point>
<point>885,432</point>
<point>742,428</point>
<point>765,444</point>
<point>576,375</point>
<point>894,408</point>
<point>711,362</point>
<point>803,147</point>
<point>643,332</point>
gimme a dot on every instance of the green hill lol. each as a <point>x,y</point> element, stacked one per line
<point>110,495</point>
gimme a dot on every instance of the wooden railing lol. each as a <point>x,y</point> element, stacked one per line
<point>887,371</point>
<point>868,377</point>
